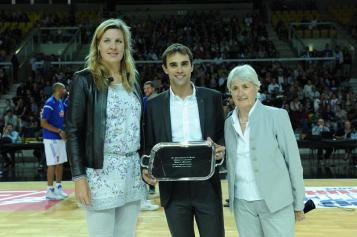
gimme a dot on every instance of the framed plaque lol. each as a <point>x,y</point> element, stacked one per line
<point>186,161</point>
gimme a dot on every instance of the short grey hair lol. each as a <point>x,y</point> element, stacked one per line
<point>244,72</point>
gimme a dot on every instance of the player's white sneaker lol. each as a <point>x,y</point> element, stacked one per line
<point>51,195</point>
<point>59,192</point>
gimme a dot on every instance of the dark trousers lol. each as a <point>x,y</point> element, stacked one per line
<point>197,200</point>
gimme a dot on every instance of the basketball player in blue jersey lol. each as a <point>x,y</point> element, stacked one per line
<point>52,122</point>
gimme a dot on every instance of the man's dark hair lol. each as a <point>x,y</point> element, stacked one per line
<point>149,83</point>
<point>176,48</point>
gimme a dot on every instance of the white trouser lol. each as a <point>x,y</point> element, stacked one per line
<point>254,219</point>
<point>115,222</point>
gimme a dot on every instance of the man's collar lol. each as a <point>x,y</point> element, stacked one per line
<point>193,95</point>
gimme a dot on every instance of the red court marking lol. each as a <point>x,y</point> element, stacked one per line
<point>332,191</point>
<point>26,200</point>
<point>310,192</point>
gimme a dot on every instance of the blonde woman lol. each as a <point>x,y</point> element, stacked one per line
<point>103,127</point>
<point>265,176</point>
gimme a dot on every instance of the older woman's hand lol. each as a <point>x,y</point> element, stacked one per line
<point>299,215</point>
<point>220,150</point>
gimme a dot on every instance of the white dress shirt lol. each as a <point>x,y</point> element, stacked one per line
<point>245,184</point>
<point>185,118</point>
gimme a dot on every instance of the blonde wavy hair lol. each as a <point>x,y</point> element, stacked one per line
<point>94,60</point>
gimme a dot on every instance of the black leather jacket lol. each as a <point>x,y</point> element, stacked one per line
<point>85,123</point>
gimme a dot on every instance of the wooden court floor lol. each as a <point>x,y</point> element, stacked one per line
<point>65,219</point>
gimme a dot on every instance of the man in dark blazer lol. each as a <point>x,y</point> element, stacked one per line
<point>187,113</point>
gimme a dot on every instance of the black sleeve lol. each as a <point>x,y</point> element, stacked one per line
<point>137,88</point>
<point>148,129</point>
<point>75,125</point>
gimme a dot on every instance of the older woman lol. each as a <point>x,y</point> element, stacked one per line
<point>265,175</point>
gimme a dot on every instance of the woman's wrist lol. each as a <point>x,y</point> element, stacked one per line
<point>79,177</point>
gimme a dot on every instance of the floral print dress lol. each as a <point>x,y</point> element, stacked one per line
<point>119,182</point>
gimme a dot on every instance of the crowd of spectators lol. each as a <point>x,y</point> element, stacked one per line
<point>10,33</point>
<point>240,37</point>
<point>342,58</point>
<point>210,35</point>
<point>308,90</point>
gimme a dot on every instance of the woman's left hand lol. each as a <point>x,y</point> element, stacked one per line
<point>220,150</point>
<point>299,216</point>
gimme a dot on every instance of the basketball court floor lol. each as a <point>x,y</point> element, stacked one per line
<point>25,213</point>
